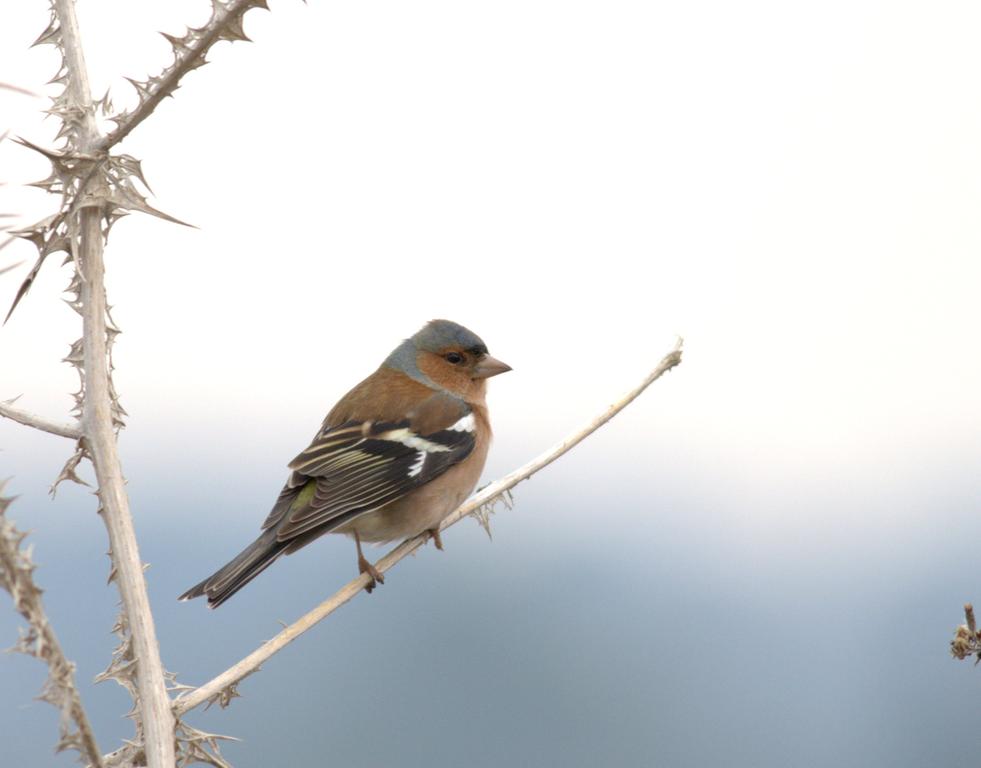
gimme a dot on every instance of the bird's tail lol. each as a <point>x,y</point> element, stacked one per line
<point>230,578</point>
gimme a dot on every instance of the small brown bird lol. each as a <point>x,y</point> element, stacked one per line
<point>395,456</point>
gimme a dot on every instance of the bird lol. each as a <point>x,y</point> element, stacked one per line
<point>396,455</point>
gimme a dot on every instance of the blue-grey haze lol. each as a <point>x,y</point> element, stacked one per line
<point>618,618</point>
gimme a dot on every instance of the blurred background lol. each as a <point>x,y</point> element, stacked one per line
<point>760,563</point>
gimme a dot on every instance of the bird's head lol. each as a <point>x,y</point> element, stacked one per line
<point>447,352</point>
<point>450,356</point>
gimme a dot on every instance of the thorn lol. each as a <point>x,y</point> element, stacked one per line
<point>177,43</point>
<point>234,31</point>
<point>142,88</point>
<point>51,155</point>
<point>50,35</point>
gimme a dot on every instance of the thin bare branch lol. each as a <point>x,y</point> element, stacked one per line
<point>22,91</point>
<point>189,53</point>
<point>40,641</point>
<point>28,419</point>
<point>222,687</point>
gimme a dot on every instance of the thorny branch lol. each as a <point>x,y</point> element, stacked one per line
<point>96,188</point>
<point>190,50</point>
<point>223,687</point>
<point>77,173</point>
<point>40,641</point>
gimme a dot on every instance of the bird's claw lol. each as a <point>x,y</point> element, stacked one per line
<point>373,573</point>
<point>434,535</point>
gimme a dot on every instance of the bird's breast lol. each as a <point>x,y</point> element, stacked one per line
<point>426,506</point>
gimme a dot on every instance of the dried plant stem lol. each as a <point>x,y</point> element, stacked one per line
<point>221,688</point>
<point>39,422</point>
<point>16,576</point>
<point>100,439</point>
<point>98,427</point>
<point>967,639</point>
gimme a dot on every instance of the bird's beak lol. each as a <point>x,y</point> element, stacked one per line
<point>489,366</point>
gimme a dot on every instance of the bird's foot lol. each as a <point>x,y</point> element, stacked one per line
<point>365,567</point>
<point>376,576</point>
<point>434,535</point>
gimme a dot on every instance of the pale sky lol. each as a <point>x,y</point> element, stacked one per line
<point>792,187</point>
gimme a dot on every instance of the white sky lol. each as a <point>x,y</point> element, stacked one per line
<point>793,187</point>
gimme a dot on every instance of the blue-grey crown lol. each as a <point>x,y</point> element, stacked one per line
<point>440,334</point>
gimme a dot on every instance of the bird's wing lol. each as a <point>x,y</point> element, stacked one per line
<point>359,466</point>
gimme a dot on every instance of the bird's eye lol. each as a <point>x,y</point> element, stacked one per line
<point>454,357</point>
